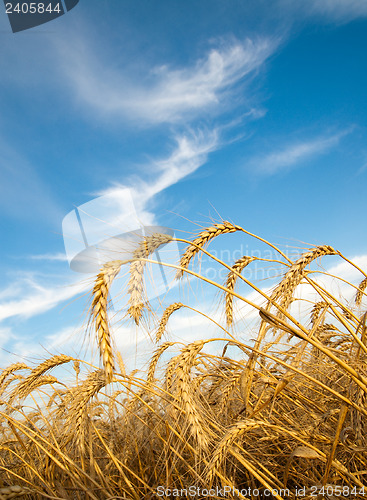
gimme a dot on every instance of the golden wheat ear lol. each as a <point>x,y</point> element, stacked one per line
<point>14,492</point>
<point>137,300</point>
<point>283,293</point>
<point>361,291</point>
<point>77,418</point>
<point>201,240</point>
<point>232,276</point>
<point>164,320</point>
<point>99,313</point>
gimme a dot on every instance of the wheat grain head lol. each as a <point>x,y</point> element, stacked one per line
<point>165,317</point>
<point>78,410</point>
<point>201,240</point>
<point>293,277</point>
<point>136,282</point>
<point>232,276</point>
<point>99,313</point>
<point>361,288</point>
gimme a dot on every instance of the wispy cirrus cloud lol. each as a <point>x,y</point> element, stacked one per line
<point>190,153</point>
<point>50,256</point>
<point>334,10</point>
<point>35,298</point>
<point>173,95</point>
<point>295,153</point>
<point>167,94</point>
<point>349,9</point>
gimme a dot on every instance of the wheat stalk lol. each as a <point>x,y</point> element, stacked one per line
<point>237,268</point>
<point>165,317</point>
<point>184,395</point>
<point>186,429</point>
<point>201,240</point>
<point>99,314</point>
<point>293,277</point>
<point>361,288</point>
<point>9,370</point>
<point>79,401</point>
<point>317,308</point>
<point>154,361</point>
<point>136,282</point>
<point>26,386</point>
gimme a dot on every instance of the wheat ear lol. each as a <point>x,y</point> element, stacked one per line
<point>136,282</point>
<point>202,239</point>
<point>99,314</point>
<point>317,308</point>
<point>359,295</point>
<point>165,317</point>
<point>27,385</point>
<point>284,291</point>
<point>79,401</point>
<point>42,380</point>
<point>9,370</point>
<point>184,393</point>
<point>154,361</point>
<point>225,444</point>
<point>237,268</point>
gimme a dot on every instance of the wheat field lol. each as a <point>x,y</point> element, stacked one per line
<point>285,417</point>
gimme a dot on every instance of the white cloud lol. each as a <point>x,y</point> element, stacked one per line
<point>50,256</point>
<point>36,298</point>
<point>30,349</point>
<point>347,9</point>
<point>190,153</point>
<point>168,95</point>
<point>6,334</point>
<point>348,272</point>
<point>335,10</point>
<point>295,153</point>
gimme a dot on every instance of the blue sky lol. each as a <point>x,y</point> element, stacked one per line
<point>253,110</point>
